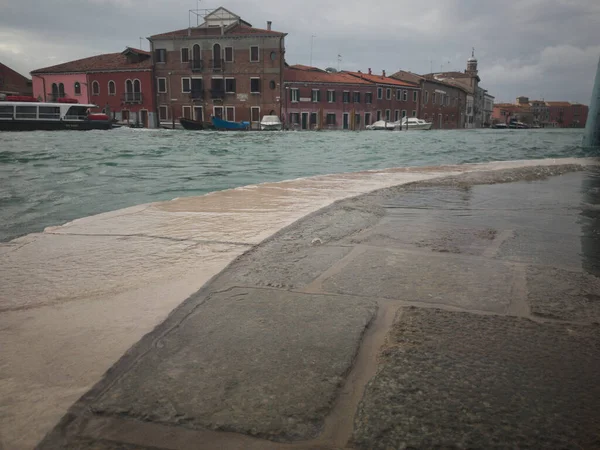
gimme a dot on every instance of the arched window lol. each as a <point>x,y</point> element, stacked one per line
<point>55,89</point>
<point>216,56</point>
<point>137,91</point>
<point>61,90</point>
<point>112,90</point>
<point>95,88</point>
<point>128,91</point>
<point>77,88</point>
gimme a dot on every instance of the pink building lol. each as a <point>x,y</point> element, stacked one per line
<point>316,99</point>
<point>120,84</point>
<point>49,87</point>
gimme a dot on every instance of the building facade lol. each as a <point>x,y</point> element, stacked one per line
<point>542,113</point>
<point>469,81</point>
<point>120,84</point>
<point>441,103</point>
<point>49,86</point>
<point>13,83</point>
<point>393,99</point>
<point>539,110</point>
<point>127,94</point>
<point>488,109</point>
<point>223,67</point>
<point>505,112</point>
<point>567,114</point>
<point>314,99</point>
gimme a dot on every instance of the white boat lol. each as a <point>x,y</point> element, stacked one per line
<point>382,125</point>
<point>23,113</point>
<point>270,123</point>
<point>412,123</point>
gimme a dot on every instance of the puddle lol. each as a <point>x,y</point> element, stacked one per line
<point>564,210</point>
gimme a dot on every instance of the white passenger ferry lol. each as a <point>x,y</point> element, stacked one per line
<point>21,113</point>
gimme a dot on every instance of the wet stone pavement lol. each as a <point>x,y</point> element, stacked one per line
<point>462,312</point>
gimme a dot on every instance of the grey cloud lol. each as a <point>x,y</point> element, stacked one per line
<point>534,47</point>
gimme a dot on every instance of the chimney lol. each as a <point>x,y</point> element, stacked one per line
<point>383,73</point>
<point>269,25</point>
<point>369,71</point>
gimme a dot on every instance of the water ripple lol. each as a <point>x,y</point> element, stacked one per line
<point>60,176</point>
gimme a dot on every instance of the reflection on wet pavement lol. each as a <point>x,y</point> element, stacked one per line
<point>521,216</point>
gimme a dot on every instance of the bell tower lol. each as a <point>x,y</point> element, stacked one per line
<point>472,64</point>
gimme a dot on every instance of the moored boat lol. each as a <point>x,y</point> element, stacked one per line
<point>227,125</point>
<point>413,123</point>
<point>32,115</point>
<point>271,123</point>
<point>195,125</point>
<point>382,125</point>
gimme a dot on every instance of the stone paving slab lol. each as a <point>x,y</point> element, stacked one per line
<point>458,380</point>
<point>531,246</point>
<point>564,295</point>
<point>469,283</point>
<point>257,361</point>
<point>281,265</point>
<point>429,234</point>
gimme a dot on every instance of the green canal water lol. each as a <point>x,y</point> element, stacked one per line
<point>49,178</point>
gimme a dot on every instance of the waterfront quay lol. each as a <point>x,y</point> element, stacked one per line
<point>425,306</point>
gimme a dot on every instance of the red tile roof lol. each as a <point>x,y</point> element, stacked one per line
<point>380,79</point>
<point>136,50</point>
<point>238,29</point>
<point>303,67</point>
<point>314,76</point>
<point>100,63</point>
<point>558,103</point>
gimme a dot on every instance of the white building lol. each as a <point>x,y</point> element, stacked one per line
<point>488,109</point>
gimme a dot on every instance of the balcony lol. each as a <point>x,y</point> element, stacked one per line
<point>217,93</point>
<point>197,94</point>
<point>197,65</point>
<point>216,65</point>
<point>132,97</point>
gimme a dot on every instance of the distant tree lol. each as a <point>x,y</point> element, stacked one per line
<point>331,70</point>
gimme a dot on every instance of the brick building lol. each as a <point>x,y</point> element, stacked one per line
<point>469,81</point>
<point>222,67</point>
<point>567,114</point>
<point>441,103</point>
<point>13,83</point>
<point>393,98</point>
<point>542,113</point>
<point>120,84</point>
<point>316,99</point>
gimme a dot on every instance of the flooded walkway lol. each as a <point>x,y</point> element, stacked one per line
<point>461,310</point>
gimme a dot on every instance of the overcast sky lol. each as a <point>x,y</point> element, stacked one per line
<point>541,48</point>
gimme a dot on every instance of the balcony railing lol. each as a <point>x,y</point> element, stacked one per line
<point>217,93</point>
<point>197,65</point>
<point>197,94</point>
<point>132,97</point>
<point>216,65</point>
